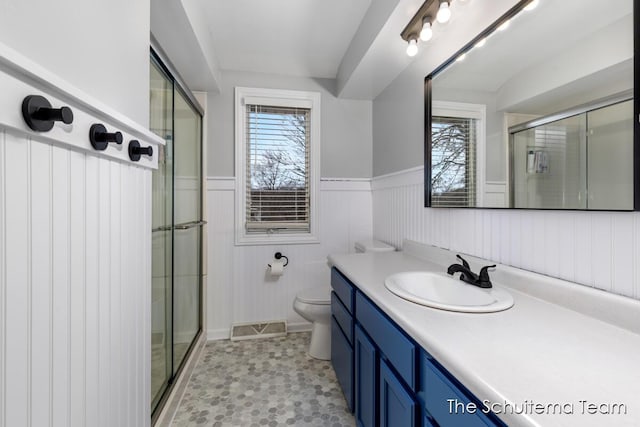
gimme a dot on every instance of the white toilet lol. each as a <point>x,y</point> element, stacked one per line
<point>314,304</point>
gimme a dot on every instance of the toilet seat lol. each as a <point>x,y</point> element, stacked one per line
<point>316,296</point>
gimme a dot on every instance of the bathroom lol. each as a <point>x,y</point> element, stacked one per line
<point>89,291</point>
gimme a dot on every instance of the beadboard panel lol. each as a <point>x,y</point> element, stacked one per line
<point>239,288</point>
<point>597,249</point>
<point>74,287</point>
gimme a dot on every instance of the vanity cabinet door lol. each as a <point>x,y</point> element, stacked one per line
<point>428,422</point>
<point>342,361</point>
<point>366,385</point>
<point>397,406</point>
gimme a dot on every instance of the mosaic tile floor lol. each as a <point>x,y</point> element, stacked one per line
<point>262,382</point>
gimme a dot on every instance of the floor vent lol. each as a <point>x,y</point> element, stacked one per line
<point>247,331</point>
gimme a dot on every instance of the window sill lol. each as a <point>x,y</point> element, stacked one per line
<point>276,239</point>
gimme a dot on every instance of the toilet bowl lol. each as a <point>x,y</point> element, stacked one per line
<point>314,305</point>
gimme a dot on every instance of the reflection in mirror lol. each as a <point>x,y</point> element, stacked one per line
<point>584,161</point>
<point>538,115</point>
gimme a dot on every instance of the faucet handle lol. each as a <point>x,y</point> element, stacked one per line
<point>464,262</point>
<point>483,277</point>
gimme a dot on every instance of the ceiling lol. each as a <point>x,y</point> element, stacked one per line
<point>355,42</point>
<point>539,44</point>
<point>305,38</point>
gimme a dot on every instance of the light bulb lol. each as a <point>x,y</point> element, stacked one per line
<point>504,25</point>
<point>412,48</point>
<point>532,5</point>
<point>481,42</point>
<point>427,32</point>
<point>444,13</point>
<point>461,57</point>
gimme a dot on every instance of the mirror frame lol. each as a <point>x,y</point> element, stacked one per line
<point>487,31</point>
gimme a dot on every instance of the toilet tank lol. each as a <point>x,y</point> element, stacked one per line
<point>373,245</point>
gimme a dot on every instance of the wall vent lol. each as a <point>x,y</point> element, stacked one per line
<point>246,331</point>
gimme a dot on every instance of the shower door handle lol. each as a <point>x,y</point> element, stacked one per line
<point>188,225</point>
<point>182,226</point>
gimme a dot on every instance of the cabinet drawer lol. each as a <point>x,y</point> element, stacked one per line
<point>444,400</point>
<point>342,361</point>
<point>343,289</point>
<point>393,344</point>
<point>342,316</point>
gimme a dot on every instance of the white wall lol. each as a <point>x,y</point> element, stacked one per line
<point>101,47</point>
<point>345,128</point>
<point>598,249</point>
<point>238,288</point>
<point>75,224</point>
<point>75,264</point>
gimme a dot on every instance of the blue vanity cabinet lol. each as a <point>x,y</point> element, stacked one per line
<point>387,378</point>
<point>342,361</point>
<point>447,401</point>
<point>366,384</point>
<point>385,370</point>
<point>342,324</point>
<point>398,406</point>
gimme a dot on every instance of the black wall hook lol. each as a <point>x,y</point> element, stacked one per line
<point>39,116</point>
<point>136,151</point>
<point>100,138</point>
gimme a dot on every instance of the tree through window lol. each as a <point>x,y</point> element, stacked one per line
<point>453,161</point>
<point>278,147</point>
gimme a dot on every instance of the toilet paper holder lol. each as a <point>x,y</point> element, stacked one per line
<point>278,255</point>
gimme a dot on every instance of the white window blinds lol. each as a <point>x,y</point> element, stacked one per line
<point>453,158</point>
<point>278,158</point>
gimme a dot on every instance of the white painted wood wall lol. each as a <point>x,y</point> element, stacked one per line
<point>238,288</point>
<point>75,263</point>
<point>598,249</point>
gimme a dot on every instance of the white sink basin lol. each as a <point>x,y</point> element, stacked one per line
<point>446,293</point>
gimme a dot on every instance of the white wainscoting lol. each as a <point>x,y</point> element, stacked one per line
<point>598,249</point>
<point>75,263</point>
<point>239,288</point>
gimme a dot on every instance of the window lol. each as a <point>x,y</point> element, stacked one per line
<point>457,172</point>
<point>277,166</point>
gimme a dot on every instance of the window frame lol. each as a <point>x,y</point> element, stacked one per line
<point>284,98</point>
<point>469,111</point>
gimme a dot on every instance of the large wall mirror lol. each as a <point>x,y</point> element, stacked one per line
<point>537,112</point>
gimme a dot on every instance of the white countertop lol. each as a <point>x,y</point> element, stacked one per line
<point>537,352</point>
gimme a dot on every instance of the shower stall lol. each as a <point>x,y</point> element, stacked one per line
<point>177,222</point>
<point>579,160</point>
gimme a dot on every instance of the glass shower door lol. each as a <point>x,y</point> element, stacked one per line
<point>161,123</point>
<point>177,231</point>
<point>188,226</point>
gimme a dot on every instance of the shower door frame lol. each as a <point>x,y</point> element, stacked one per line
<point>160,60</point>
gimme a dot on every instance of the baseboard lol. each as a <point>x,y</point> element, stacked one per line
<point>299,327</point>
<point>165,419</point>
<point>218,334</point>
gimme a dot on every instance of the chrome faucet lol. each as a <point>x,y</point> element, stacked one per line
<point>481,280</point>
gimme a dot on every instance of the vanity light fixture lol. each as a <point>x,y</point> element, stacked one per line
<point>504,25</point>
<point>412,48</point>
<point>426,33</point>
<point>422,23</point>
<point>444,13</point>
